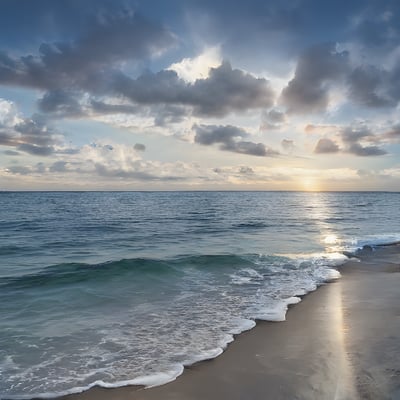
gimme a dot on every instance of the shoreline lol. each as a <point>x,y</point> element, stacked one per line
<point>324,349</point>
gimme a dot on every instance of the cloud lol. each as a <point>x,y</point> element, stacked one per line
<point>365,151</point>
<point>60,102</point>
<point>357,139</point>
<point>168,114</point>
<point>110,39</point>
<point>28,135</point>
<point>19,170</point>
<point>192,69</point>
<point>318,129</point>
<point>316,69</point>
<point>100,107</point>
<point>92,66</point>
<point>139,147</point>
<point>245,170</point>
<point>58,166</point>
<point>35,149</point>
<point>162,114</point>
<point>366,87</point>
<point>326,146</point>
<point>376,26</point>
<point>11,153</point>
<point>110,163</point>
<point>376,87</point>
<point>273,119</point>
<point>393,134</point>
<point>353,134</point>
<point>230,139</point>
<point>164,96</point>
<point>288,145</point>
<point>226,90</point>
<point>276,117</point>
<point>210,134</point>
<point>7,140</point>
<point>8,114</point>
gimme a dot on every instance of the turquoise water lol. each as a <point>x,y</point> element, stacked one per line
<point>117,288</point>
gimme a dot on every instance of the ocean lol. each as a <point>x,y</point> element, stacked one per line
<point>117,288</point>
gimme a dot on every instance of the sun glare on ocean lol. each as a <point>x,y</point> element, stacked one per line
<point>333,243</point>
<point>331,239</point>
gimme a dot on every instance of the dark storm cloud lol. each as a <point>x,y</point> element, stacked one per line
<point>326,146</point>
<point>109,39</point>
<point>230,139</point>
<point>225,90</point>
<point>316,69</point>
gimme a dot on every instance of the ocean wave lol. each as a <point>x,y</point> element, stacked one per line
<point>352,244</point>
<point>72,273</point>
<point>140,321</point>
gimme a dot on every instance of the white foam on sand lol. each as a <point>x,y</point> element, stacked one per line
<point>157,379</point>
<point>277,313</point>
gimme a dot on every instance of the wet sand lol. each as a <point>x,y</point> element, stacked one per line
<point>341,342</point>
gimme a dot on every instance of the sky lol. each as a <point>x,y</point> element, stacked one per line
<point>190,95</point>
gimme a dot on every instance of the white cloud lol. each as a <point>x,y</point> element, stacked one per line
<point>8,114</point>
<point>191,69</point>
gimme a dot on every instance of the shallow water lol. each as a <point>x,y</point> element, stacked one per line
<point>116,288</point>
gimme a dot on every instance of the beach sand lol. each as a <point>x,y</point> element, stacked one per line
<point>341,342</point>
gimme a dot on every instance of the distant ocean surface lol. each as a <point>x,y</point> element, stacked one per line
<point>117,288</point>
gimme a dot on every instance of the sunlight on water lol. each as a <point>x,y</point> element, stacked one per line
<point>331,239</point>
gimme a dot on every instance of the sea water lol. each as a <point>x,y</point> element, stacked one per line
<point>117,288</point>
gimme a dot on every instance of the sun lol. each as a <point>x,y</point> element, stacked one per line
<point>309,184</point>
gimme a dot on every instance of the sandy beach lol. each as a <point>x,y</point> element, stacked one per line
<point>341,342</point>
